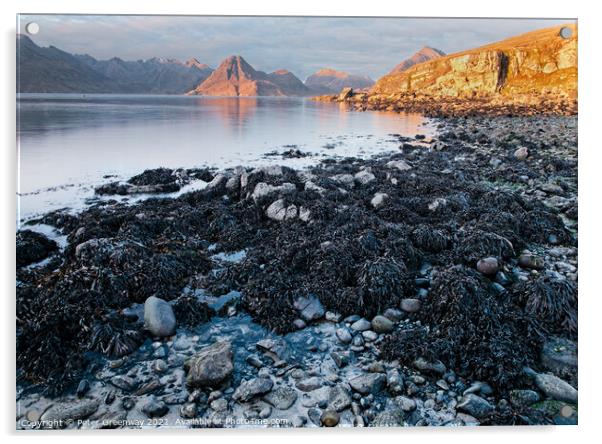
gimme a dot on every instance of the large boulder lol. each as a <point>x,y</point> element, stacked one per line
<point>210,366</point>
<point>159,317</point>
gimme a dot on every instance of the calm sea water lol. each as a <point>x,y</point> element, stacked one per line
<point>68,143</point>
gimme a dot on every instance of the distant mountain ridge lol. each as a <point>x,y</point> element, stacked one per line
<point>327,80</point>
<point>51,70</point>
<point>236,77</point>
<point>423,55</point>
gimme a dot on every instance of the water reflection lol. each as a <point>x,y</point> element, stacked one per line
<point>73,139</point>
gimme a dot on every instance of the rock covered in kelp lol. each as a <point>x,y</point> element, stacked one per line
<point>33,247</point>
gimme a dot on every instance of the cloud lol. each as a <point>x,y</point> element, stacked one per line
<point>301,44</point>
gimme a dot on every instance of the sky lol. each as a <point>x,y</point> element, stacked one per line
<point>303,45</point>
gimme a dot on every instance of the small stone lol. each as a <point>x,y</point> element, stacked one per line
<point>188,410</point>
<point>393,314</point>
<point>399,164</point>
<point>488,266</point>
<point>361,325</point>
<point>521,153</point>
<point>556,388</point>
<point>67,412</point>
<point>379,199</point>
<point>310,307</point>
<point>406,404</point>
<point>282,397</point>
<point>523,398</point>
<point>309,384</point>
<point>315,416</point>
<point>531,261</point>
<point>368,383</point>
<point>339,398</point>
<point>475,405</point>
<point>254,361</point>
<point>330,418</point>
<point>332,317</point>
<point>219,405</point>
<point>442,384</point>
<point>155,409</point>
<point>370,335</point>
<point>364,177</point>
<point>559,356</point>
<point>279,211</point>
<point>251,388</point>
<point>427,366</point>
<point>381,324</point>
<point>299,324</point>
<point>159,317</point>
<point>410,305</point>
<point>159,366</point>
<point>358,341</point>
<point>341,358</point>
<point>125,383</point>
<point>344,335</point>
<point>82,388</point>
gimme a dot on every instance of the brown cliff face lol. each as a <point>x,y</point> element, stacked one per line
<point>531,64</point>
<point>424,55</point>
<point>236,77</point>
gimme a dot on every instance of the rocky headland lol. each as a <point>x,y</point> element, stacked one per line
<point>434,286</point>
<point>530,74</point>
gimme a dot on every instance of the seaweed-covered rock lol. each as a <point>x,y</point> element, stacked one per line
<point>465,315</point>
<point>552,301</point>
<point>190,312</point>
<point>33,247</point>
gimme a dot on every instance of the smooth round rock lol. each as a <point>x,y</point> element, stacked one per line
<point>159,317</point>
<point>488,266</point>
<point>410,305</point>
<point>330,418</point>
<point>381,324</point>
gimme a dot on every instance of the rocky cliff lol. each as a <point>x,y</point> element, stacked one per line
<point>236,77</point>
<point>533,73</point>
<point>533,63</point>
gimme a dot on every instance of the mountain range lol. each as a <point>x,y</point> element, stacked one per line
<point>50,69</point>
<point>45,70</point>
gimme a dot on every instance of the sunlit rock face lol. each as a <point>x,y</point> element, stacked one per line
<point>423,55</point>
<point>539,62</point>
<point>236,77</point>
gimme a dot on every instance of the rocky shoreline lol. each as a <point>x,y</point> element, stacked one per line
<point>541,104</point>
<point>435,286</point>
